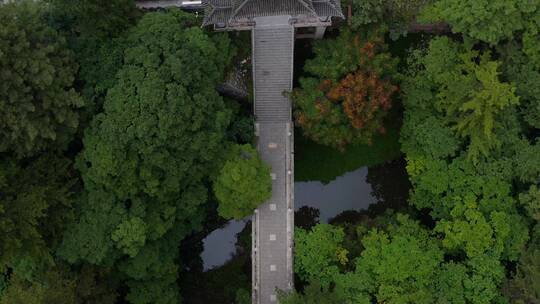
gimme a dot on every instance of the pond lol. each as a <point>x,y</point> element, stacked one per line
<point>214,256</point>
<point>350,191</point>
<point>220,245</point>
<point>319,202</point>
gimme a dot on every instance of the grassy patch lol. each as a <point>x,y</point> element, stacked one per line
<point>313,161</point>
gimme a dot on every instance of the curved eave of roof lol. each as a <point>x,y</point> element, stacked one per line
<point>216,11</point>
<point>328,8</point>
<point>259,8</point>
<point>226,12</point>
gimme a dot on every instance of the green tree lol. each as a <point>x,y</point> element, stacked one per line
<point>398,265</point>
<point>531,44</point>
<point>146,159</point>
<point>523,287</point>
<point>467,94</point>
<point>35,205</point>
<point>475,281</point>
<point>313,294</point>
<point>527,161</point>
<point>243,183</point>
<point>531,201</point>
<point>53,287</point>
<point>464,142</point>
<point>477,115</point>
<point>58,284</point>
<point>486,20</point>
<point>39,109</point>
<point>319,254</point>
<point>396,15</point>
<point>519,70</point>
<point>98,47</point>
<point>79,16</point>
<point>243,296</point>
<point>477,211</point>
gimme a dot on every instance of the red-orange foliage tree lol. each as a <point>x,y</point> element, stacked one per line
<point>349,97</point>
<point>365,98</point>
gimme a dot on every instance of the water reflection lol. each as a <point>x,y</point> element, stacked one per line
<point>220,245</point>
<point>347,192</point>
<point>359,190</point>
<point>314,202</point>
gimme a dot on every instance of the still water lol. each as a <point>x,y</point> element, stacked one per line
<point>219,246</point>
<point>350,191</point>
<point>347,192</point>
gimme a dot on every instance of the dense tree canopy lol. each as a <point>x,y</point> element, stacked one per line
<point>243,183</point>
<point>467,181</point>
<point>396,266</point>
<point>395,15</point>
<point>470,136</point>
<point>98,46</point>
<point>524,288</point>
<point>519,69</point>
<point>313,294</point>
<point>350,92</point>
<point>488,20</point>
<point>146,157</point>
<point>79,16</point>
<point>464,88</point>
<point>319,254</point>
<point>39,109</point>
<point>35,204</point>
<point>112,137</point>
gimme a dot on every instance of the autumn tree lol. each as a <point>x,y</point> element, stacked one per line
<point>243,183</point>
<point>39,109</point>
<point>147,157</point>
<point>350,92</point>
<point>365,98</point>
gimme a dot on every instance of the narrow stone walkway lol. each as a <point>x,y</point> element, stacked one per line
<point>273,227</point>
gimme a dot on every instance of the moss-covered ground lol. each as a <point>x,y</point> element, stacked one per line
<point>315,162</point>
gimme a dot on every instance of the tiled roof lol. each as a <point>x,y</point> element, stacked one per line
<point>224,13</point>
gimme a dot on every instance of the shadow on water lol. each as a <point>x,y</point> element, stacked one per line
<point>220,245</point>
<point>350,191</point>
<point>371,190</point>
<point>218,262</point>
<point>222,272</point>
<point>364,192</point>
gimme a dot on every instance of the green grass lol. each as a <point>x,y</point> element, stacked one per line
<point>313,161</point>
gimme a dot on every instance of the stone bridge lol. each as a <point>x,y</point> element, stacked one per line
<point>273,25</point>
